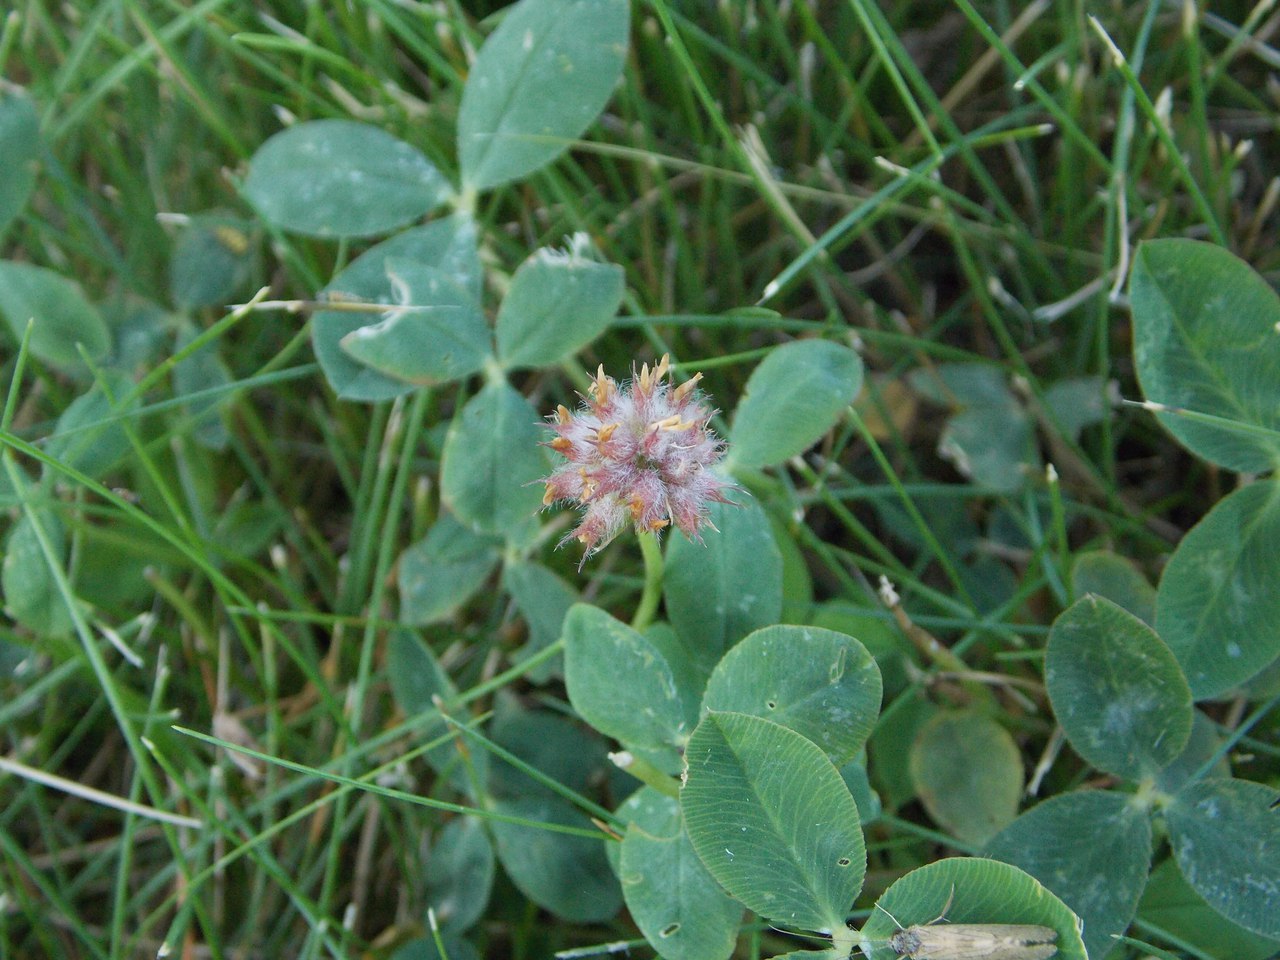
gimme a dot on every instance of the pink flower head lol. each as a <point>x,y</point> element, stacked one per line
<point>640,453</point>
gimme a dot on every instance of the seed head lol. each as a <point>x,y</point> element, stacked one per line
<point>641,453</point>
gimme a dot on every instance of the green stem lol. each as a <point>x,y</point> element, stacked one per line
<point>843,940</point>
<point>647,773</point>
<point>648,605</point>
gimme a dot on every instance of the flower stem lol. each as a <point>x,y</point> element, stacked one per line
<point>648,605</point>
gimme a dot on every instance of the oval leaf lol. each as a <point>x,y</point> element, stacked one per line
<point>1116,689</point>
<point>1093,849</point>
<point>1077,403</point>
<point>656,814</point>
<point>962,385</point>
<point>773,821</point>
<point>62,317</point>
<point>971,890</point>
<point>967,772</point>
<point>437,334</point>
<point>141,331</point>
<point>690,679</point>
<point>417,678</point>
<point>797,582</point>
<point>854,774</point>
<point>994,446</point>
<point>440,572</point>
<point>19,148</point>
<point>340,178</point>
<point>1202,747</point>
<point>566,874</point>
<point>539,81</point>
<point>416,675</point>
<point>542,599</point>
<point>459,874</point>
<point>491,457</point>
<point>558,302</point>
<point>823,685</point>
<point>89,436</point>
<point>203,370</point>
<point>448,245</point>
<point>792,398</point>
<point>889,749</point>
<point>677,905</point>
<point>619,682</point>
<point>1217,606</point>
<point>891,650</point>
<point>211,261</point>
<point>1171,905</point>
<point>1118,579</point>
<point>31,595</point>
<point>719,592</point>
<point>1206,338</point>
<point>1226,839</point>
<point>652,811</point>
<point>1265,684</point>
<point>989,436</point>
<point>564,749</point>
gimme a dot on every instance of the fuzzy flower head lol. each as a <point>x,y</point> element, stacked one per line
<point>640,453</point>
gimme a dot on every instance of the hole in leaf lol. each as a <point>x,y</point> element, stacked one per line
<point>670,930</point>
<point>843,862</point>
<point>771,704</point>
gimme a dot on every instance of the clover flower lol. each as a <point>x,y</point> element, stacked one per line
<point>640,453</point>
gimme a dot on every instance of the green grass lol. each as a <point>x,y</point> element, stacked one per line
<point>865,170</point>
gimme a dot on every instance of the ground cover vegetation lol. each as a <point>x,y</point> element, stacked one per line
<point>700,479</point>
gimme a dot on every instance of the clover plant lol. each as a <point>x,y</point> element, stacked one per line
<point>679,727</point>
